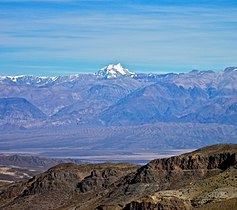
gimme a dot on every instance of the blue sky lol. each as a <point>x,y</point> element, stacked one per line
<point>63,37</point>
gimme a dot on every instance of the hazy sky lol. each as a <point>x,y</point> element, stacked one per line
<point>62,37</point>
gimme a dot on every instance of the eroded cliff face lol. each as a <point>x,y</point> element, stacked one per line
<point>165,204</point>
<point>184,167</point>
<point>214,192</point>
<point>172,174</point>
<point>64,185</point>
<point>205,177</point>
<point>195,161</point>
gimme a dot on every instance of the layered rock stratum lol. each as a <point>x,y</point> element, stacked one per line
<point>202,179</point>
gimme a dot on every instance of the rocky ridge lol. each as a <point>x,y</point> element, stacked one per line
<point>203,99</point>
<point>204,178</point>
<point>196,96</point>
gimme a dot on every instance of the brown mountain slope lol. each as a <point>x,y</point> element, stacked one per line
<point>14,167</point>
<point>215,192</point>
<point>205,178</point>
<point>172,174</point>
<point>64,185</point>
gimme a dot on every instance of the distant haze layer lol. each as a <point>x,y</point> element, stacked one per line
<point>117,109</point>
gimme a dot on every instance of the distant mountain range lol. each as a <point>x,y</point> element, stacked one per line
<point>19,109</point>
<point>116,97</point>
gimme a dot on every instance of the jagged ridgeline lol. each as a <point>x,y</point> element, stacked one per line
<point>204,179</point>
<point>117,96</point>
<point>118,106</point>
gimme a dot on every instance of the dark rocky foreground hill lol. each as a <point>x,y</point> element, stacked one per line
<point>14,167</point>
<point>203,179</point>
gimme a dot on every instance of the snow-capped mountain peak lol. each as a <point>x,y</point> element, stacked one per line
<point>27,80</point>
<point>114,71</point>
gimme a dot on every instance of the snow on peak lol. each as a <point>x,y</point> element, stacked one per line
<point>27,79</point>
<point>12,78</point>
<point>114,71</point>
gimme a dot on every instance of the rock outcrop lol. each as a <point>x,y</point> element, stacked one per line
<point>171,174</point>
<point>62,185</point>
<point>204,178</point>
